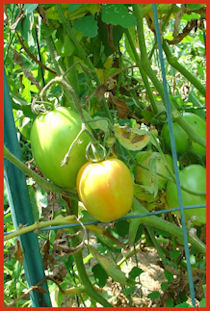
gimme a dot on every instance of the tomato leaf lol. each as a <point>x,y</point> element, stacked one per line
<point>100,275</point>
<point>87,25</point>
<point>117,14</point>
<point>132,138</point>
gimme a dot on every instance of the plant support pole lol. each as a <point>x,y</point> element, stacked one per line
<point>21,208</point>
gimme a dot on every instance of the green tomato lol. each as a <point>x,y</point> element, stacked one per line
<point>52,134</point>
<point>193,178</point>
<point>154,162</point>
<point>181,138</point>
<point>200,127</point>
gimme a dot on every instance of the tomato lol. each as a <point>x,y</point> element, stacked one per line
<point>200,126</point>
<point>147,177</point>
<point>193,178</point>
<point>106,189</point>
<point>181,138</point>
<point>52,134</point>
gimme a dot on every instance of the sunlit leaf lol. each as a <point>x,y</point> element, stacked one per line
<point>132,138</point>
<point>117,14</point>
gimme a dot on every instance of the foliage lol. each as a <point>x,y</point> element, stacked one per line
<point>102,61</point>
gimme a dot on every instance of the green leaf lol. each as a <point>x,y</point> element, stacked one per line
<point>154,295</point>
<point>169,276</point>
<point>87,25</point>
<point>109,266</point>
<point>100,275</point>
<point>26,92</point>
<point>29,8</point>
<point>135,272</point>
<point>195,6</point>
<point>122,228</point>
<point>117,14</point>
<point>74,7</point>
<point>188,17</point>
<point>128,291</point>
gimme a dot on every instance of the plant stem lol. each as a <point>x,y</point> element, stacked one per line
<point>53,54</point>
<point>59,220</point>
<point>43,183</point>
<point>86,282</point>
<point>159,223</point>
<point>173,61</point>
<point>144,76</point>
<point>144,58</point>
<point>72,37</point>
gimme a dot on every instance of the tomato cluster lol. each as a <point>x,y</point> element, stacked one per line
<point>106,188</point>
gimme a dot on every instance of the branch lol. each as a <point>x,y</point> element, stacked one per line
<point>33,57</point>
<point>43,183</point>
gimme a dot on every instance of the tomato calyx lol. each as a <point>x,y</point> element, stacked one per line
<point>95,153</point>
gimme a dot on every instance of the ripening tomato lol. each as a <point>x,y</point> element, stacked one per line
<point>106,189</point>
<point>52,134</point>
<point>193,178</point>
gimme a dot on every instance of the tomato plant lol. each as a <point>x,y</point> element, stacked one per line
<point>193,178</point>
<point>102,61</point>
<point>154,164</point>
<point>106,189</point>
<point>52,134</point>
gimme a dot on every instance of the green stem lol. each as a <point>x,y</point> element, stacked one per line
<point>44,184</point>
<point>159,223</point>
<point>157,247</point>
<point>173,61</point>
<point>144,58</point>
<point>53,54</point>
<point>172,8</point>
<point>59,220</point>
<point>86,282</point>
<point>144,76</point>
<point>72,37</point>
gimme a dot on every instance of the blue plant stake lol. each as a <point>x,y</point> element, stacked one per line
<point>174,155</point>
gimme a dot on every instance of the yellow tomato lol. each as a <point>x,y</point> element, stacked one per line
<point>106,189</point>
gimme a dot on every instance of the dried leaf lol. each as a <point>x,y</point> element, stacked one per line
<point>132,138</point>
<point>122,109</point>
<point>61,246</point>
<point>100,92</point>
<point>19,252</point>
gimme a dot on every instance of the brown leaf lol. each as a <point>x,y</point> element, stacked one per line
<point>122,109</point>
<point>100,92</point>
<point>19,252</point>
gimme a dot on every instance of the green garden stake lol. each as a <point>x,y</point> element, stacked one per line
<point>21,208</point>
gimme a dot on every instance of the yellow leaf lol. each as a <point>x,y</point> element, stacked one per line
<point>132,138</point>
